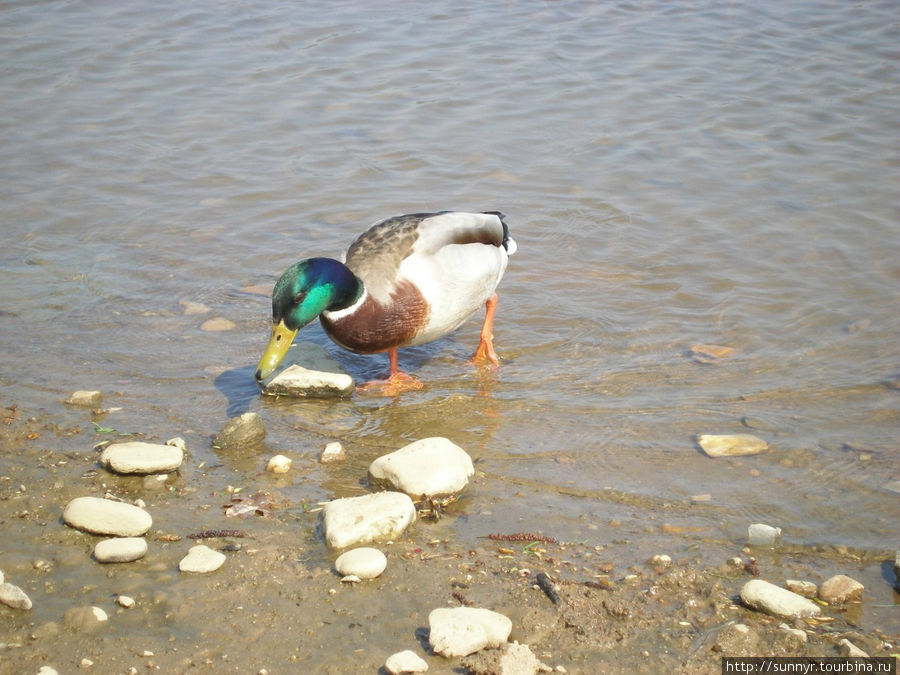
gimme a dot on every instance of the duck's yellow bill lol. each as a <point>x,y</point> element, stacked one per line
<point>279,343</point>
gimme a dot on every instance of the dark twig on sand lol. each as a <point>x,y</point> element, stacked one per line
<point>217,534</point>
<point>549,588</point>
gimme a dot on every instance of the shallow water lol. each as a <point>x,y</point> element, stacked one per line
<point>673,173</point>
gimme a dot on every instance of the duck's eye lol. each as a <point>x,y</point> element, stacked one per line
<point>299,297</point>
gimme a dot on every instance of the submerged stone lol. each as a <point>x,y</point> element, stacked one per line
<point>760,534</point>
<point>244,430</point>
<point>731,445</point>
<point>84,397</point>
<point>85,619</point>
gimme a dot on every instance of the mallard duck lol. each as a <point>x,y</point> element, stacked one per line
<point>406,281</point>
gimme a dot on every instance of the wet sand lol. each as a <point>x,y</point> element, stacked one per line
<point>278,606</point>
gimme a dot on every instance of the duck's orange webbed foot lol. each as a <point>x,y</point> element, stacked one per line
<point>485,354</point>
<point>397,383</point>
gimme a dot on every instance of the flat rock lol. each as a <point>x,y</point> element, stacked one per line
<point>13,596</point>
<point>771,599</point>
<point>365,563</point>
<point>85,619</point>
<point>244,430</point>
<point>430,467</point>
<point>840,589</point>
<point>201,559</point>
<point>137,457</point>
<point>360,520</point>
<point>120,549</point>
<point>104,516</point>
<point>302,382</point>
<point>731,445</point>
<point>406,661</point>
<point>310,373</point>
<point>760,534</point>
<point>460,631</point>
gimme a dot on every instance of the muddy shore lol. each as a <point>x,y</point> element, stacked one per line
<point>277,605</point>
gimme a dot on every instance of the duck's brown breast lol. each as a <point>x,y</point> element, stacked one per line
<point>375,327</point>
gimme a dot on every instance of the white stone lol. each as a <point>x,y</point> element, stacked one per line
<point>2,578</point>
<point>333,452</point>
<point>760,534</point>
<point>731,445</point>
<point>47,670</point>
<point>13,596</point>
<point>771,599</point>
<point>104,516</point>
<point>279,464</point>
<point>201,559</point>
<point>125,601</point>
<point>365,563</point>
<point>406,661</point>
<point>137,457</point>
<point>661,559</point>
<point>311,373</point>
<point>459,631</point>
<point>360,520</point>
<point>430,467</point>
<point>120,549</point>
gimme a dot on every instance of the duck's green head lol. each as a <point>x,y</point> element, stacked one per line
<point>305,290</point>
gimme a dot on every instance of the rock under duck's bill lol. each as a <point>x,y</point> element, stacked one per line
<point>279,343</point>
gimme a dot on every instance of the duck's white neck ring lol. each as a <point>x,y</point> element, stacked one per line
<point>347,311</point>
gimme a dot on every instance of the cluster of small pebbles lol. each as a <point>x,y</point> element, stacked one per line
<point>425,471</point>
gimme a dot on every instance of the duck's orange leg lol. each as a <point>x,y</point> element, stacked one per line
<point>397,381</point>
<point>485,350</point>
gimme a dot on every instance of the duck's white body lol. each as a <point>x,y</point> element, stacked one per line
<point>424,276</point>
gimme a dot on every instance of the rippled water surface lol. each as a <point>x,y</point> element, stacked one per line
<point>674,174</point>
